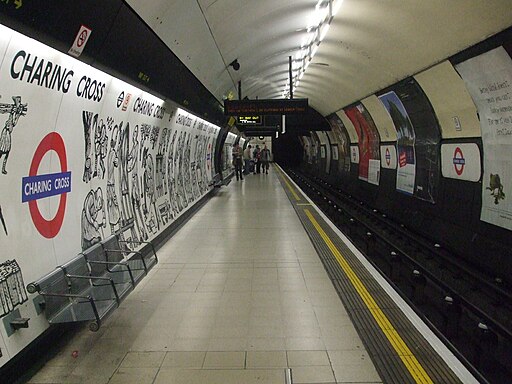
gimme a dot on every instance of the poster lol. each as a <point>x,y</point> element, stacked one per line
<point>325,152</point>
<point>368,141</point>
<point>315,148</point>
<point>308,148</point>
<point>406,171</point>
<point>488,78</point>
<point>343,143</point>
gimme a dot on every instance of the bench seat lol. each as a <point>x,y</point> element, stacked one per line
<point>94,283</point>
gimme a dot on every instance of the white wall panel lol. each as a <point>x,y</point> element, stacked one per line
<point>381,118</point>
<point>451,101</point>
<point>349,126</point>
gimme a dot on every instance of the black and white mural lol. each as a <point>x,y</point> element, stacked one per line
<point>14,111</point>
<point>91,154</point>
<point>151,173</point>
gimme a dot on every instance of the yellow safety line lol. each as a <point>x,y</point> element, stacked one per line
<point>292,190</point>
<point>411,363</point>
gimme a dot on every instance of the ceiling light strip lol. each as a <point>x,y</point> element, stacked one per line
<point>317,29</point>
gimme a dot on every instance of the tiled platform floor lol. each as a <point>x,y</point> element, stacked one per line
<point>238,296</point>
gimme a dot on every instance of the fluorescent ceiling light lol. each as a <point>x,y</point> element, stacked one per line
<point>336,6</point>
<point>323,31</point>
<point>315,48</point>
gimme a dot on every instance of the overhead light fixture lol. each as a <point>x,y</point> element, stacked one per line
<point>313,52</point>
<point>323,31</point>
<point>336,6</point>
<point>235,64</point>
<point>317,28</point>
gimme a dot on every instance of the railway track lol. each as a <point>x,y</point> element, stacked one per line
<point>471,311</point>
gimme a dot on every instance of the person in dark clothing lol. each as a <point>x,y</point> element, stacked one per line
<point>256,155</point>
<point>237,161</point>
<point>265,158</point>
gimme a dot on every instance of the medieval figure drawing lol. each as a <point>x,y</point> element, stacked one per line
<point>87,120</point>
<point>12,287</point>
<point>15,111</point>
<point>114,214</point>
<point>193,168</point>
<point>200,155</point>
<point>152,218</point>
<point>145,134</point>
<point>160,167</point>
<point>155,131</point>
<point>178,175</point>
<point>186,171</point>
<point>93,218</point>
<point>100,147</point>
<point>2,220</point>
<point>136,195</point>
<point>124,153</point>
<point>93,125</point>
<point>171,179</point>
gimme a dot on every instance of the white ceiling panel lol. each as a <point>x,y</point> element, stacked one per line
<point>371,43</point>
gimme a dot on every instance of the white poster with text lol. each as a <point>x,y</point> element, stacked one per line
<point>488,78</point>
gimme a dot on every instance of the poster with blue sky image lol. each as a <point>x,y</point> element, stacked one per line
<point>406,170</point>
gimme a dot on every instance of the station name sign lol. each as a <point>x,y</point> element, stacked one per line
<point>265,107</point>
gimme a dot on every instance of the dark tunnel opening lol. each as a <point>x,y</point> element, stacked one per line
<point>287,150</point>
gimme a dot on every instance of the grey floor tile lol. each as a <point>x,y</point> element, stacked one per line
<point>143,360</point>
<point>307,358</point>
<point>184,360</point>
<point>266,359</point>
<point>356,373</point>
<point>224,360</point>
<point>218,376</point>
<point>313,375</point>
<point>134,376</point>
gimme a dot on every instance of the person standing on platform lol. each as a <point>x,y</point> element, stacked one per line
<point>265,158</point>
<point>257,161</point>
<point>237,161</point>
<point>247,159</point>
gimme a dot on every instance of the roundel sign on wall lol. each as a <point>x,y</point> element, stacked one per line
<point>39,186</point>
<point>461,161</point>
<point>388,156</point>
<point>458,161</point>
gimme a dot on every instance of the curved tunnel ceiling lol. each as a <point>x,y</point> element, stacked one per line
<point>370,45</point>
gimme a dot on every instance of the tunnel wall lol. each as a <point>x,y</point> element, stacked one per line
<point>444,164</point>
<point>83,153</point>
